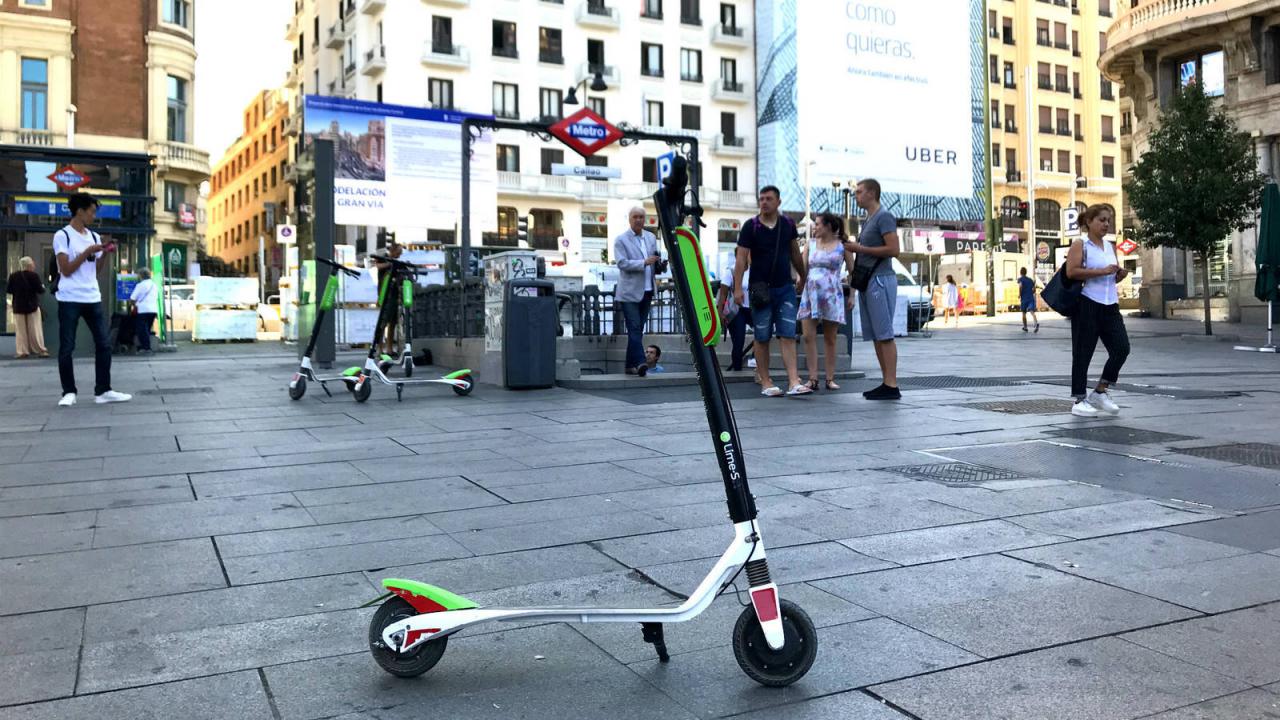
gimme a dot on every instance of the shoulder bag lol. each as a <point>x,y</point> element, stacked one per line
<point>1062,293</point>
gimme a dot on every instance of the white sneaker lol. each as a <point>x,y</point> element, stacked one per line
<point>1102,401</point>
<point>67,400</point>
<point>751,362</point>
<point>111,396</point>
<point>1084,409</point>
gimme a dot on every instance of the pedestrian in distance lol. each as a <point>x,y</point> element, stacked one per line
<point>25,287</point>
<point>874,250</point>
<point>79,252</point>
<point>821,298</point>
<point>391,333</point>
<point>769,245</point>
<point>639,264</point>
<point>737,318</point>
<point>950,301</point>
<point>145,299</point>
<point>1027,299</point>
<point>1092,260</point>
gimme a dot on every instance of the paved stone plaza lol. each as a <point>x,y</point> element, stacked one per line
<point>970,552</point>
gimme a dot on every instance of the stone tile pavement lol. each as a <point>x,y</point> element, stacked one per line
<point>202,552</point>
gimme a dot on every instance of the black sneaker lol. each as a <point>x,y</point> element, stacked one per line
<point>873,391</point>
<point>642,370</point>
<point>884,392</point>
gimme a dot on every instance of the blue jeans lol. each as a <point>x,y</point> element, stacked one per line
<point>634,315</point>
<point>738,335</point>
<point>779,317</point>
<point>69,315</point>
<point>142,333</point>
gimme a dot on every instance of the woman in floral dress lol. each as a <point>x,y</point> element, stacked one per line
<point>822,298</point>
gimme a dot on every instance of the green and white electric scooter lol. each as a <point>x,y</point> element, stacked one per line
<point>774,641</point>
<point>305,373</point>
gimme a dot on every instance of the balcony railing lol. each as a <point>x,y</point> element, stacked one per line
<point>1012,176</point>
<point>1062,44</point>
<point>1064,130</point>
<point>1008,38</point>
<point>1079,135</point>
<point>1046,129</point>
<point>729,35</point>
<point>597,14</point>
<point>26,136</point>
<point>1061,85</point>
<point>506,52</point>
<point>445,55</point>
<point>375,60</point>
<point>995,123</point>
<point>729,90</point>
<point>1011,83</point>
<point>181,156</point>
<point>370,7</point>
<point>1044,82</point>
<point>550,57</point>
<point>1108,138</point>
<point>1010,126</point>
<point>1108,93</point>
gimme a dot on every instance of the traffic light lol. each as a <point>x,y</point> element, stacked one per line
<point>1024,210</point>
<point>522,231</point>
<point>385,237</point>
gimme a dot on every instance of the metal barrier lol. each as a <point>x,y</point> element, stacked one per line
<point>596,313</point>
<point>437,310</point>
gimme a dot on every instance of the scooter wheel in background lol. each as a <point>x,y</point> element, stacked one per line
<point>769,667</point>
<point>471,384</point>
<point>298,389</point>
<point>408,368</point>
<point>362,390</point>
<point>405,665</point>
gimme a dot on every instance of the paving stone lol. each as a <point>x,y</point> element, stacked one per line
<point>558,532</point>
<point>492,572</point>
<point>843,706</point>
<point>1062,612</point>
<point>32,632</point>
<point>956,581</point>
<point>667,496</point>
<point>700,468</point>
<point>342,558</point>
<point>839,479</point>
<point>525,513</point>
<point>1104,678</point>
<point>691,544</point>
<point>55,451</point>
<point>542,475</point>
<point>1109,519</point>
<point>551,454</point>
<point>1211,585</point>
<point>710,683</point>
<point>948,542</point>
<point>714,627</point>
<point>588,484</point>
<point>1256,531</point>
<point>802,563</point>
<point>1032,500</point>
<point>199,518</point>
<point>46,533</point>
<point>37,675</point>
<point>261,481</point>
<point>40,473</point>
<point>1248,705</point>
<point>324,536</point>
<point>837,524</point>
<point>163,492</point>
<point>235,695</point>
<point>476,674</point>
<point>214,440</point>
<point>1126,554</point>
<point>29,584</point>
<point>134,619</point>
<point>383,500</point>
<point>185,654</point>
<point>883,494</point>
<point>1242,644</point>
<point>418,467</point>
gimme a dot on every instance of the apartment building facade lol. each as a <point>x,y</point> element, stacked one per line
<point>1233,48</point>
<point>248,194</point>
<point>682,66</point>
<point>1054,117</point>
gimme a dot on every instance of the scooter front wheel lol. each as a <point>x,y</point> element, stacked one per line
<point>298,388</point>
<point>405,665</point>
<point>363,389</point>
<point>471,384</point>
<point>781,667</point>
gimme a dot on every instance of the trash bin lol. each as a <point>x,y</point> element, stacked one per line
<point>530,320</point>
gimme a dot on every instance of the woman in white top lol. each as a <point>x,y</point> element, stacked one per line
<point>1092,260</point>
<point>950,301</point>
<point>146,303</point>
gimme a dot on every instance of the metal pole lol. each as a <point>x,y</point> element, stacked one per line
<point>1031,170</point>
<point>988,186</point>
<point>322,232</point>
<point>262,268</point>
<point>464,261</point>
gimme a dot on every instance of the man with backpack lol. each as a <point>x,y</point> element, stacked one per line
<point>78,250</point>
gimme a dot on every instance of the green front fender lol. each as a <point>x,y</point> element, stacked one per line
<point>457,374</point>
<point>426,598</point>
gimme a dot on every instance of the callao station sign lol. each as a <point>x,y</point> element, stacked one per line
<point>586,132</point>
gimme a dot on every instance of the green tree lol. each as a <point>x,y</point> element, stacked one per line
<point>1197,182</point>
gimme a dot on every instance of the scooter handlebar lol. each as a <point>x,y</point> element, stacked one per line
<point>339,266</point>
<point>399,265</point>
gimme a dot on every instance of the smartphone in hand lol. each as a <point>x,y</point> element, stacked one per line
<point>109,247</point>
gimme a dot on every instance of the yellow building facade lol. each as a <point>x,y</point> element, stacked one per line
<point>248,194</point>
<point>1055,120</point>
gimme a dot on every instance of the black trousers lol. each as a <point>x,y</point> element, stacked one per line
<point>1091,323</point>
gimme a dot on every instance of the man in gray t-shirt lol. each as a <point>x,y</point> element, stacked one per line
<point>876,247</point>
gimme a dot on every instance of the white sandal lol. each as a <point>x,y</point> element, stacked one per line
<point>800,389</point>
<point>771,391</point>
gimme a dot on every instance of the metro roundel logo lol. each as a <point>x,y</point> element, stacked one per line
<point>586,132</point>
<point>68,178</point>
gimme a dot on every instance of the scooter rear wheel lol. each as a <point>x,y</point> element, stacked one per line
<point>362,390</point>
<point>298,389</point>
<point>769,667</point>
<point>471,384</point>
<point>408,368</point>
<point>405,665</point>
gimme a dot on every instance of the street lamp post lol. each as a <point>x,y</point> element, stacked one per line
<point>597,85</point>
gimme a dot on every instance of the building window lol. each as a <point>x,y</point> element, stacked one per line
<point>547,228</point>
<point>649,169</point>
<point>652,9</point>
<point>504,39</point>
<point>995,69</point>
<point>653,113</point>
<point>691,117</point>
<point>1048,215</point>
<point>1207,69</point>
<point>597,106</point>
<point>273,176</point>
<point>508,158</point>
<point>177,12</point>
<point>551,156</point>
<point>690,65</point>
<point>1108,166</point>
<point>440,93</point>
<point>728,126</point>
<point>995,155</point>
<point>689,12</point>
<point>1009,80</point>
<point>729,178</point>
<point>1042,33</point>
<point>651,59</point>
<point>595,57</point>
<point>1064,161</point>
<point>549,50</point>
<point>175,194</point>
<point>506,100</point>
<point>442,35</point>
<point>35,94</point>
<point>729,16</point>
<point>1046,159</point>
<point>1271,55</point>
<point>177,109</point>
<point>1108,129</point>
<point>1009,206</point>
<point>550,104</point>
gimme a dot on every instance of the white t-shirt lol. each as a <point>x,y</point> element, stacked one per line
<point>80,286</point>
<point>144,296</point>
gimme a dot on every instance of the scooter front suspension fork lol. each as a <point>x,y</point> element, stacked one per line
<point>764,598</point>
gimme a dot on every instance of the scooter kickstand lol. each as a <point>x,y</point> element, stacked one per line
<point>325,388</point>
<point>399,392</point>
<point>653,634</point>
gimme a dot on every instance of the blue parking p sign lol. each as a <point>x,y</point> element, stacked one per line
<point>664,165</point>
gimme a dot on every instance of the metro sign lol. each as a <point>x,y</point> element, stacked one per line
<point>68,178</point>
<point>1127,246</point>
<point>586,132</point>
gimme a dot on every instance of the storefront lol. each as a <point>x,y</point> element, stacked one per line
<point>34,185</point>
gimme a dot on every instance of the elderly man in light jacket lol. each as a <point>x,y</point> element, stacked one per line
<point>636,251</point>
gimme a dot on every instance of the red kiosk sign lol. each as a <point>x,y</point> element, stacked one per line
<point>586,132</point>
